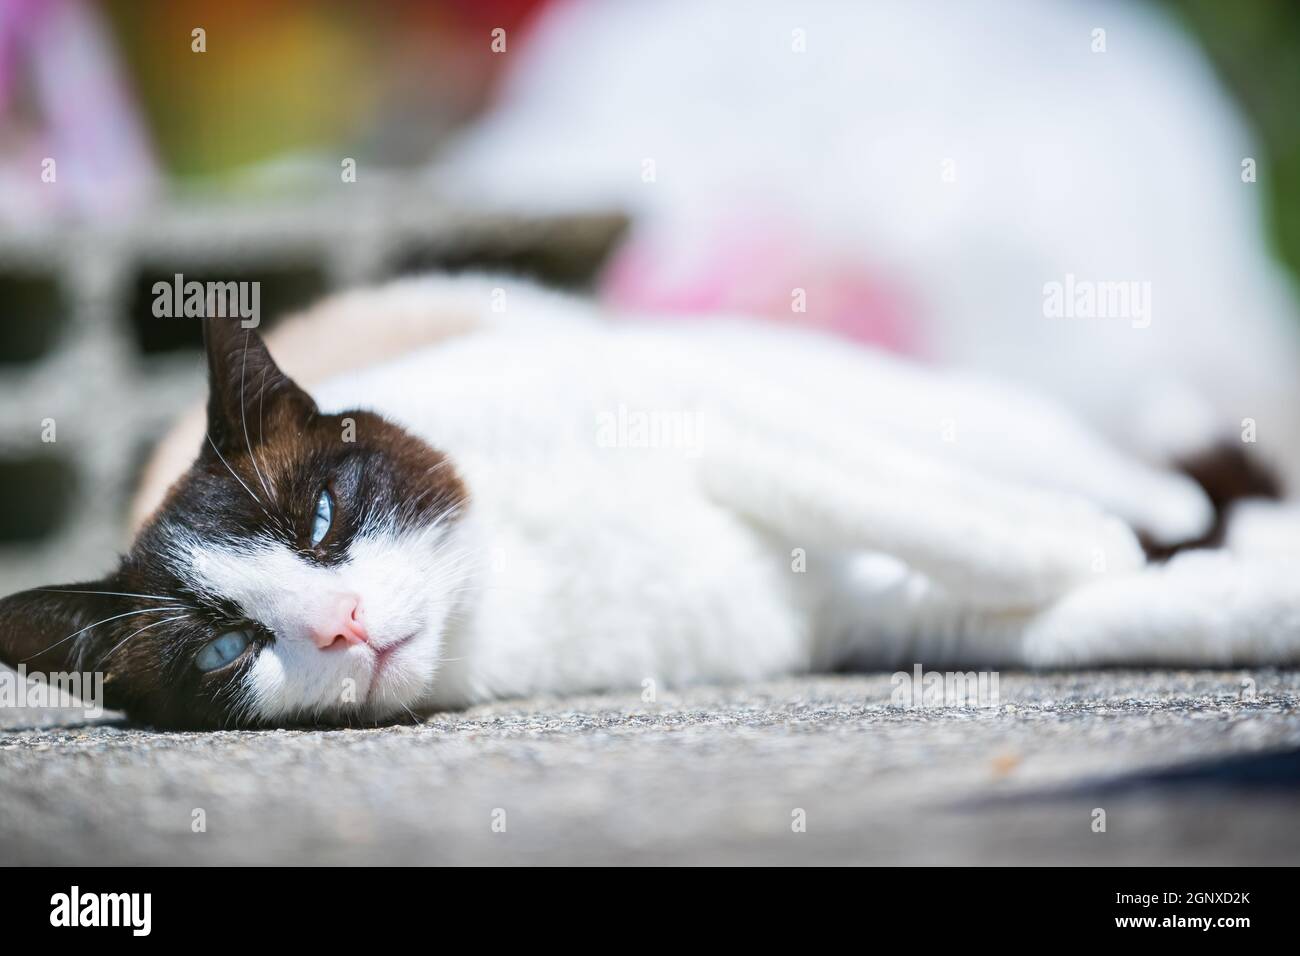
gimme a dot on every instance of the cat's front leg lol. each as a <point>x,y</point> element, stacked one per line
<point>988,543</point>
<point>875,612</point>
<point>1203,608</point>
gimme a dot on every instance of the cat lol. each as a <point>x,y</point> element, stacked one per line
<point>545,502</point>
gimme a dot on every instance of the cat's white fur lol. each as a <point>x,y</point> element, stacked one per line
<point>799,506</point>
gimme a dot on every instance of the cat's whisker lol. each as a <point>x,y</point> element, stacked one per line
<point>121,643</point>
<point>261,408</point>
<point>471,588</point>
<point>107,620</point>
<point>239,694</point>
<point>243,417</point>
<point>150,597</point>
<point>440,466</point>
<point>233,474</point>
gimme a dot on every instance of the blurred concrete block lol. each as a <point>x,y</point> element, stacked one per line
<point>89,377</point>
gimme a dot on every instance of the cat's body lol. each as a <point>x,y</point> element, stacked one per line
<point>613,546</point>
<point>547,502</point>
<point>656,501</point>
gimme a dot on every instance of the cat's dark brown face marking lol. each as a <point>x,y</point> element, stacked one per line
<point>268,456</point>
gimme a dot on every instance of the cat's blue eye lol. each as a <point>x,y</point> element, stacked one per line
<point>217,654</point>
<point>320,525</point>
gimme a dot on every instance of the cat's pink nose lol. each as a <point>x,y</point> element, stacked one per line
<point>342,625</point>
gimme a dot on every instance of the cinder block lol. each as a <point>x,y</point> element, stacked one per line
<point>90,378</point>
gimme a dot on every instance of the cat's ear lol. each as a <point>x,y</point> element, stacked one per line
<point>249,398</point>
<point>56,629</point>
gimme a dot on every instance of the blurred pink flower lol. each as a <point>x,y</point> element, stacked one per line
<point>766,266</point>
<point>84,116</point>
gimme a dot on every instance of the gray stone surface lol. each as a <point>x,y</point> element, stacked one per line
<point>712,775</point>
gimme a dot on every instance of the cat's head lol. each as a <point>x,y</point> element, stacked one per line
<point>303,569</point>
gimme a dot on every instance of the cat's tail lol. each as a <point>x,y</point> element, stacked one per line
<point>1203,608</point>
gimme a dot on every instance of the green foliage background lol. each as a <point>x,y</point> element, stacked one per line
<point>1255,45</point>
